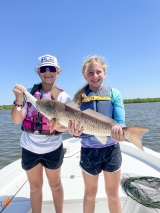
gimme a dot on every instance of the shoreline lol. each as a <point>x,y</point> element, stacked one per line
<point>125,101</point>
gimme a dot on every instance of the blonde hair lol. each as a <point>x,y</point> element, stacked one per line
<point>89,60</point>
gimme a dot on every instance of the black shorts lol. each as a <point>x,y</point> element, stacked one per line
<point>94,160</point>
<point>51,160</point>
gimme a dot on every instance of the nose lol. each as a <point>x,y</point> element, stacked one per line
<point>47,69</point>
<point>95,74</point>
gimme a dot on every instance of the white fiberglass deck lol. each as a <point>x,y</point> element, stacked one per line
<point>14,184</point>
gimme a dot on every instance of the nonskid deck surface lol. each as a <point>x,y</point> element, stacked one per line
<point>14,183</point>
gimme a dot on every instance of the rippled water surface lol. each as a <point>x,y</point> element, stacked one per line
<point>145,115</point>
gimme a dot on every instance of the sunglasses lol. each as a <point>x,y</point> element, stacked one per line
<point>47,68</point>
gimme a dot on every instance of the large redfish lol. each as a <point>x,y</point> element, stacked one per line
<point>93,122</point>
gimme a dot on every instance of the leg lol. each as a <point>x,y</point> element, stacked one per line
<point>54,179</point>
<point>112,180</point>
<point>91,183</point>
<point>35,178</point>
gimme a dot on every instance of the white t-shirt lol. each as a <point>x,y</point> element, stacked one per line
<point>42,144</point>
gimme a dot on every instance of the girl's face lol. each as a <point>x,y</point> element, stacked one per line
<point>94,75</point>
<point>48,77</point>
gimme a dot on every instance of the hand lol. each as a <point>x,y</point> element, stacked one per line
<point>18,91</point>
<point>75,128</point>
<point>117,133</point>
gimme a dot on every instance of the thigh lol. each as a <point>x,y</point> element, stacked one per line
<point>112,180</point>
<point>91,182</point>
<point>54,176</point>
<point>53,160</point>
<point>35,176</point>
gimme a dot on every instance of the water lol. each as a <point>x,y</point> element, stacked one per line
<point>143,114</point>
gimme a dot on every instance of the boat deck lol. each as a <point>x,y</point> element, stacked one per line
<point>14,184</point>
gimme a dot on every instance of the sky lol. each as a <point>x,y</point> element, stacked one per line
<point>125,32</point>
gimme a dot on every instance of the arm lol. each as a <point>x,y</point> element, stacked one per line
<point>18,116</point>
<point>119,116</point>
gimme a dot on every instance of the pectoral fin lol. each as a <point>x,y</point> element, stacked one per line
<point>103,140</point>
<point>53,124</point>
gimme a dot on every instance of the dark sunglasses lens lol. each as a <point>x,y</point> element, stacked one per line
<point>50,68</point>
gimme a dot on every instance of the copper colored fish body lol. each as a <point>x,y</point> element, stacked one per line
<point>93,122</point>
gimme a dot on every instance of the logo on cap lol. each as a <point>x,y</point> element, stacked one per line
<point>47,59</point>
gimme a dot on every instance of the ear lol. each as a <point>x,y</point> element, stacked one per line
<point>58,72</point>
<point>38,71</point>
<point>84,75</point>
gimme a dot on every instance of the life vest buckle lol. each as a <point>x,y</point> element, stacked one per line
<point>38,123</point>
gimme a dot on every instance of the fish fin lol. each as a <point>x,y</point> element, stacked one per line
<point>99,116</point>
<point>103,139</point>
<point>73,105</point>
<point>53,125</point>
<point>134,135</point>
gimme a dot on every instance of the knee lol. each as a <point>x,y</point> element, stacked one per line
<point>90,194</point>
<point>113,196</point>
<point>34,187</point>
<point>55,186</point>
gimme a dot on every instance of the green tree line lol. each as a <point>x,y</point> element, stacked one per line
<point>141,100</point>
<point>126,101</point>
<point>6,107</point>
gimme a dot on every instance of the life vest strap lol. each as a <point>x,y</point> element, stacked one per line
<point>55,91</point>
<point>96,98</point>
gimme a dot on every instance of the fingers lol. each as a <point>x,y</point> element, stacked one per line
<point>18,91</point>
<point>19,88</point>
<point>75,128</point>
<point>117,133</point>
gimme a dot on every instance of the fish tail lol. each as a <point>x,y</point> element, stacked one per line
<point>134,135</point>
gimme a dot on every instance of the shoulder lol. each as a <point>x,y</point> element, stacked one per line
<point>115,94</point>
<point>64,97</point>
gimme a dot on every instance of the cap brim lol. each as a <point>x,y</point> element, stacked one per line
<point>43,65</point>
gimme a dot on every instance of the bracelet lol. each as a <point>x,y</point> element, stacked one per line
<point>19,106</point>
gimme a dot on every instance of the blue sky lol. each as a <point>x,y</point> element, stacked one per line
<point>125,32</point>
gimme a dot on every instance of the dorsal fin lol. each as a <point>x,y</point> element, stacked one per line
<point>73,105</point>
<point>92,113</point>
<point>99,116</point>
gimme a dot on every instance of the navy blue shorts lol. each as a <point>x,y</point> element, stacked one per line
<point>94,160</point>
<point>51,160</point>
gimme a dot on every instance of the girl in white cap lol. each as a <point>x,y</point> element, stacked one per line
<point>40,148</point>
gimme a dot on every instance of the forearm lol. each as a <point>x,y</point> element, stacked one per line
<point>17,116</point>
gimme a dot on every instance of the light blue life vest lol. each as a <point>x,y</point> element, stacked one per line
<point>104,107</point>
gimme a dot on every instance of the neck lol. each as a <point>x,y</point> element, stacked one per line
<point>47,87</point>
<point>95,89</point>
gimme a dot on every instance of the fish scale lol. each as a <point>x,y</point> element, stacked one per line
<point>88,122</point>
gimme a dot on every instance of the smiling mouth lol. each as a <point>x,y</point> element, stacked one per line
<point>95,81</point>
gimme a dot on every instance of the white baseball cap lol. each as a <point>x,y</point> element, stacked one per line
<point>47,60</point>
